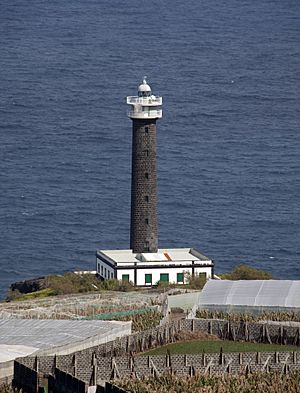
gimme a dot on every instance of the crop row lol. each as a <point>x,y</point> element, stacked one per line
<point>251,383</point>
<point>265,316</point>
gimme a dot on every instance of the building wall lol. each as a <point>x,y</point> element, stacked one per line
<point>104,270</point>
<point>206,270</point>
<point>156,274</point>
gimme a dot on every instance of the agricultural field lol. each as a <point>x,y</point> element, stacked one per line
<point>251,383</point>
<point>264,316</point>
<point>145,321</point>
<point>142,308</point>
<point>200,346</point>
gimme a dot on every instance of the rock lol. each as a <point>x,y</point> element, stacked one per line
<point>28,286</point>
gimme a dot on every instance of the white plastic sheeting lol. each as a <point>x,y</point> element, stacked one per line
<point>278,294</point>
<point>10,352</point>
<point>186,301</point>
<point>21,337</point>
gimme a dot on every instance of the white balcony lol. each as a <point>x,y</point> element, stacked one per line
<point>152,114</point>
<point>144,101</point>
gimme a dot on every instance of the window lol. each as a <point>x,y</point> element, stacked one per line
<point>148,278</point>
<point>146,198</point>
<point>112,275</point>
<point>105,272</point>
<point>146,130</point>
<point>164,277</point>
<point>146,246</point>
<point>125,277</point>
<point>146,221</point>
<point>147,175</point>
<point>101,270</point>
<point>180,278</point>
<point>147,152</point>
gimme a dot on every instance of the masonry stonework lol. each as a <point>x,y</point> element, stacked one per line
<point>143,229</point>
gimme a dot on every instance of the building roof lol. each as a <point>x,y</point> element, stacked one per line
<point>252,293</point>
<point>22,337</point>
<point>163,254</point>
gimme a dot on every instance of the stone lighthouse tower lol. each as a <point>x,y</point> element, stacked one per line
<point>145,110</point>
<point>144,264</point>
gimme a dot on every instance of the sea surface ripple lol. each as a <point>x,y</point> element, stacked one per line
<point>228,143</point>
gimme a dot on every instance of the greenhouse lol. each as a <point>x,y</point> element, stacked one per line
<point>251,296</point>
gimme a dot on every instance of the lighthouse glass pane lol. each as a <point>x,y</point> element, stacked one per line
<point>180,277</point>
<point>148,278</point>
<point>164,277</point>
<point>125,277</point>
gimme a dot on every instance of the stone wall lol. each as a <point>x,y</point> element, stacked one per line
<point>143,226</point>
<point>219,364</point>
<point>32,381</point>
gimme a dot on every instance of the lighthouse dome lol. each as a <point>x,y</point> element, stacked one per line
<point>144,88</point>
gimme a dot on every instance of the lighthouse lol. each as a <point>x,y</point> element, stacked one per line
<point>143,263</point>
<point>144,112</point>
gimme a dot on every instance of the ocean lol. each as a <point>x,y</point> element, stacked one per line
<point>228,143</point>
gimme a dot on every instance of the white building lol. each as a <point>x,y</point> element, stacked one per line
<point>147,269</point>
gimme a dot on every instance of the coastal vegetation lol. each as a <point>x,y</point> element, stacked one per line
<point>72,283</point>
<point>250,383</point>
<point>245,272</point>
<point>69,283</point>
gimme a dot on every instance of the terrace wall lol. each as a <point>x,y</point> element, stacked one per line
<point>234,363</point>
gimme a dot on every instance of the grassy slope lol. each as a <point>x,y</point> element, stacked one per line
<point>194,347</point>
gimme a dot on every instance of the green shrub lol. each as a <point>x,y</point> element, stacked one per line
<point>195,282</point>
<point>69,283</point>
<point>245,272</point>
<point>117,285</point>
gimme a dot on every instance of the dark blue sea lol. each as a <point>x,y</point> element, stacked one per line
<point>228,143</point>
